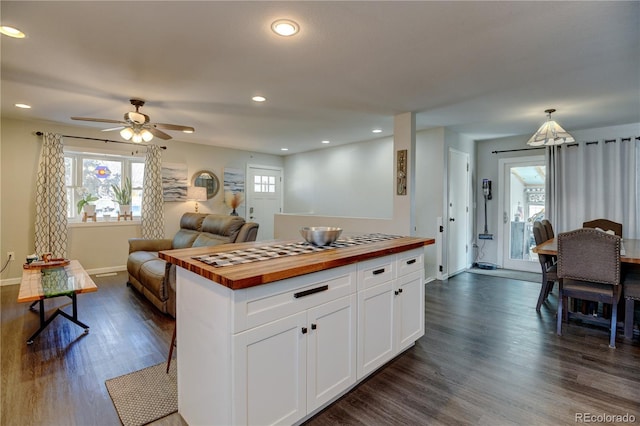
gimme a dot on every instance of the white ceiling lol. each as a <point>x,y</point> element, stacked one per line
<point>483,69</point>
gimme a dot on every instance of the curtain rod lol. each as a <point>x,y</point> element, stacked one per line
<point>514,150</point>
<point>568,145</point>
<point>39,133</point>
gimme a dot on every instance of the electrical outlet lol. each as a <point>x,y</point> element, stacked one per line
<point>11,255</point>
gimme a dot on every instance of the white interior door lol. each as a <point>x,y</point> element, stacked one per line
<point>264,198</point>
<point>522,202</point>
<point>458,208</point>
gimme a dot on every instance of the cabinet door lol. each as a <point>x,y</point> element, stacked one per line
<point>375,327</point>
<point>270,364</point>
<point>409,310</point>
<point>331,346</point>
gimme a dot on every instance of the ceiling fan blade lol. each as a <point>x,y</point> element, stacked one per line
<point>113,128</point>
<point>159,133</point>
<point>99,120</point>
<point>173,127</point>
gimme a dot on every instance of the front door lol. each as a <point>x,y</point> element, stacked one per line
<point>264,198</point>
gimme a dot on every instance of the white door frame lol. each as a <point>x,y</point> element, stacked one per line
<point>502,197</point>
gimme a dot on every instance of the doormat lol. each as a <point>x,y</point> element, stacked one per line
<point>146,395</point>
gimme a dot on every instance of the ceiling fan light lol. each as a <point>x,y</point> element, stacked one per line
<point>146,135</point>
<point>137,138</point>
<point>126,133</point>
<point>136,117</point>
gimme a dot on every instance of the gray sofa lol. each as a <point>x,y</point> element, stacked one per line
<point>152,276</point>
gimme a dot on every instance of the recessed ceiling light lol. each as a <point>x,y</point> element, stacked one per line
<point>187,131</point>
<point>284,149</point>
<point>377,130</point>
<point>11,32</point>
<point>24,106</point>
<point>326,142</point>
<point>285,27</point>
<point>259,99</point>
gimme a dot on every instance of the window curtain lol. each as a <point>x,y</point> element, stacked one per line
<point>152,201</point>
<point>593,180</point>
<point>51,199</point>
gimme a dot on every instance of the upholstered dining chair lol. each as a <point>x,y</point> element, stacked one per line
<point>589,269</point>
<point>547,263</point>
<point>631,293</point>
<point>547,225</point>
<point>605,225</point>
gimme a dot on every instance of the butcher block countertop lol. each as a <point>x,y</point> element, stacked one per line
<point>261,272</point>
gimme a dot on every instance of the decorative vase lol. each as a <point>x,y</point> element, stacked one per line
<point>233,213</point>
<point>89,209</point>
<point>125,209</point>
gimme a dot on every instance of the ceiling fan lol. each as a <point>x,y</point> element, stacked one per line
<point>137,126</point>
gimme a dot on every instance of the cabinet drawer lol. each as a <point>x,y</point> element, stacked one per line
<point>259,305</point>
<point>410,261</point>
<point>376,271</point>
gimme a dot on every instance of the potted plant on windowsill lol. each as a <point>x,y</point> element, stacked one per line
<point>122,196</point>
<point>84,203</point>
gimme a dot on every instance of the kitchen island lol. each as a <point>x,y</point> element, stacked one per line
<point>275,341</point>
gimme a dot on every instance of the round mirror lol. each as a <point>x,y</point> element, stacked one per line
<point>207,179</point>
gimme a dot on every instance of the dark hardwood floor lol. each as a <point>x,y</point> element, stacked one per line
<point>487,358</point>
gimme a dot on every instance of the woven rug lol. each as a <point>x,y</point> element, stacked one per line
<point>146,395</point>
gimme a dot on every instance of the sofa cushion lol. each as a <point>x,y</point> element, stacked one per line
<point>226,226</point>
<point>137,259</point>
<point>152,274</point>
<point>206,239</point>
<point>184,238</point>
<point>192,221</point>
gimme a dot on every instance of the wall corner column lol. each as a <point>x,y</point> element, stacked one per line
<point>404,130</point>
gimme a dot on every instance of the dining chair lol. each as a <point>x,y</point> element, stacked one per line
<point>549,268</point>
<point>589,269</point>
<point>631,293</point>
<point>605,225</point>
<point>547,225</point>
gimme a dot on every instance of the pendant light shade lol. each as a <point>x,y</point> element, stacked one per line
<point>550,133</point>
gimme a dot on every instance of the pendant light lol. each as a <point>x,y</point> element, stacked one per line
<point>550,133</point>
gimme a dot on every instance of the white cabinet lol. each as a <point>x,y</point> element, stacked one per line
<point>278,353</point>
<point>331,350</point>
<point>390,308</point>
<point>289,367</point>
<point>270,372</point>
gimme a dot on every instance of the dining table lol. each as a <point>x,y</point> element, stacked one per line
<point>629,254</point>
<point>629,250</point>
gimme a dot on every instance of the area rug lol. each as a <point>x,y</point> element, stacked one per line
<point>146,395</point>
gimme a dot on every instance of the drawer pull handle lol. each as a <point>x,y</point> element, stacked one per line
<point>310,291</point>
<point>411,262</point>
<point>378,271</point>
<point>313,326</point>
<point>304,330</point>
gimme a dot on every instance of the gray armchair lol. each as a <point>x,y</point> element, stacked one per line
<point>589,269</point>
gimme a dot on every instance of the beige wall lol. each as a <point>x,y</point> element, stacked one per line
<point>98,247</point>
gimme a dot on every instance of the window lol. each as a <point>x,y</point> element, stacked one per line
<point>94,174</point>
<point>264,184</point>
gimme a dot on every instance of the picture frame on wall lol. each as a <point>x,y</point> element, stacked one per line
<point>174,182</point>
